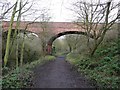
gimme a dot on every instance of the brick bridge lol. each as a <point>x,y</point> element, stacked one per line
<point>56,28</point>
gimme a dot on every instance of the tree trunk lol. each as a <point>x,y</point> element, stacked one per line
<point>15,34</point>
<point>98,42</point>
<point>70,48</point>
<point>9,35</point>
<point>94,49</point>
<point>22,52</point>
<point>17,54</point>
<point>1,50</point>
<point>119,31</point>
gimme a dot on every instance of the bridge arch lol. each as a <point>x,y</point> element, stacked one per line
<point>4,33</point>
<point>52,39</point>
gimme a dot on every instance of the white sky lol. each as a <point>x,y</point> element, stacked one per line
<point>58,9</point>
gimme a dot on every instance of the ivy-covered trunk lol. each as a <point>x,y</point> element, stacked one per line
<point>16,31</point>
<point>9,35</point>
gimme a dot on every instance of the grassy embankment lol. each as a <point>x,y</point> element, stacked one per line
<point>103,67</point>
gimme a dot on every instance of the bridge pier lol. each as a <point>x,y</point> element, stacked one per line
<point>49,49</point>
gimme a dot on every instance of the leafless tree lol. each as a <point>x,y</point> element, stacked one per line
<point>95,18</point>
<point>119,30</point>
<point>16,12</point>
<point>45,29</point>
<point>72,41</point>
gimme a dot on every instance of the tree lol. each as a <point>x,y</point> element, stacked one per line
<point>9,34</point>
<point>45,29</point>
<point>16,13</point>
<point>72,41</point>
<point>119,30</point>
<point>61,46</point>
<point>96,19</point>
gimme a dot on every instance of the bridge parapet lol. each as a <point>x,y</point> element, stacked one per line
<point>55,27</point>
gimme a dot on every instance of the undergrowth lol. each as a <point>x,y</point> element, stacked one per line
<point>104,67</point>
<point>21,77</point>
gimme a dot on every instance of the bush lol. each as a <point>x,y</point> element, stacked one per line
<point>49,57</point>
<point>19,78</point>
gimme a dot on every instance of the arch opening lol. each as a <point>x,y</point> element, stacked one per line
<point>52,39</point>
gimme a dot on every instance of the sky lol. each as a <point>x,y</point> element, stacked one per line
<point>58,9</point>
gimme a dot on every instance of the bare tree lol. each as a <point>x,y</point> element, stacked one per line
<point>95,18</point>
<point>9,34</point>
<point>16,13</point>
<point>72,41</point>
<point>119,30</point>
<point>44,25</point>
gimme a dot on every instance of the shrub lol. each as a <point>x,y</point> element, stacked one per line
<point>49,57</point>
<point>19,78</point>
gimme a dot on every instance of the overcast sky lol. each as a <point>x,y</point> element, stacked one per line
<point>58,9</point>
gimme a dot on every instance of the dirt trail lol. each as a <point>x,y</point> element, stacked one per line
<point>58,74</point>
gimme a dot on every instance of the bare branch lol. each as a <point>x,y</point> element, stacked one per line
<point>8,10</point>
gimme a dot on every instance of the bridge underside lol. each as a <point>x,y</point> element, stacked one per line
<point>52,39</point>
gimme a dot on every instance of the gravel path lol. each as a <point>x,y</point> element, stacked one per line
<point>58,74</point>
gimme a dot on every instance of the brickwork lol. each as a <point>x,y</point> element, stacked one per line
<point>55,27</point>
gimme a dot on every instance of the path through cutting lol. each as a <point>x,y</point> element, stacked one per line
<point>59,74</point>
